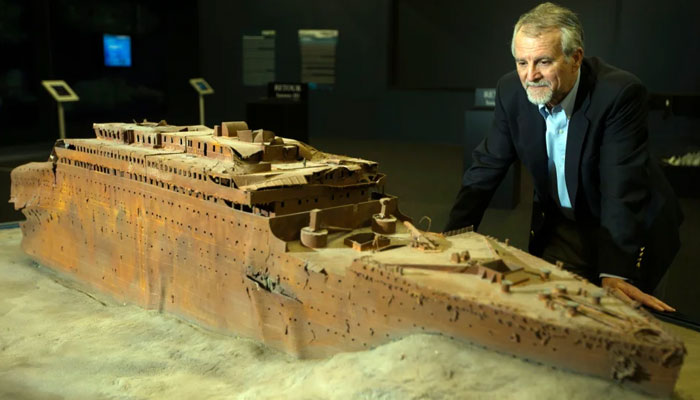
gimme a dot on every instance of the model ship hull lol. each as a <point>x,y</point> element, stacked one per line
<point>238,272</point>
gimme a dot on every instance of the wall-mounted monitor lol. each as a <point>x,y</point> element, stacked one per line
<point>117,50</point>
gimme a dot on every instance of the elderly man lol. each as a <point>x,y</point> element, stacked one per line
<point>579,125</point>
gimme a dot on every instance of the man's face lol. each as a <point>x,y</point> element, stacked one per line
<point>546,74</point>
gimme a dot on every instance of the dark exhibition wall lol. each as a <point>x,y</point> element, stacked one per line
<point>455,45</point>
<point>62,39</point>
<point>406,69</point>
<point>353,105</point>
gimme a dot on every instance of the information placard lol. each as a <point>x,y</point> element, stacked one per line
<point>259,58</point>
<point>318,56</point>
<point>60,91</point>
<point>201,86</point>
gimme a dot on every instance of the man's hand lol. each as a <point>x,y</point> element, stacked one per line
<point>631,293</point>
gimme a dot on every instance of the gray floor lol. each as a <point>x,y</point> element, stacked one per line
<point>426,178</point>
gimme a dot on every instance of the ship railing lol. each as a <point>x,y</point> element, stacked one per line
<point>455,232</point>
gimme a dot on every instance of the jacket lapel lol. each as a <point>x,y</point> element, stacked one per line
<point>532,125</point>
<point>578,128</point>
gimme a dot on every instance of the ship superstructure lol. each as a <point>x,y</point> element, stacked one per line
<point>249,233</point>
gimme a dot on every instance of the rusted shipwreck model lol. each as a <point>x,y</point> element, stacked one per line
<point>245,232</point>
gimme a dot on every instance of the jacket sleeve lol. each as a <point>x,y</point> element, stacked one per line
<point>491,160</point>
<point>625,189</point>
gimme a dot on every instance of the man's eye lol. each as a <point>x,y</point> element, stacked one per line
<point>545,62</point>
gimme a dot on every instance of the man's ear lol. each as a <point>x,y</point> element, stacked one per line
<point>577,57</point>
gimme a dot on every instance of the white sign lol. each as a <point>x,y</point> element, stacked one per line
<point>259,58</point>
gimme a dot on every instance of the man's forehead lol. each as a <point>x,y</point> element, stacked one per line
<point>529,43</point>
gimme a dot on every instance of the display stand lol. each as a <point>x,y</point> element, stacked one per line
<point>203,88</point>
<point>62,93</point>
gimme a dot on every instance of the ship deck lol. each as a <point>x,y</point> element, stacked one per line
<point>181,158</point>
<point>522,297</point>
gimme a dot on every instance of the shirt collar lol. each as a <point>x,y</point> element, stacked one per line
<point>568,103</point>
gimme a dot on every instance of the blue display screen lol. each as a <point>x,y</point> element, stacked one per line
<point>117,50</point>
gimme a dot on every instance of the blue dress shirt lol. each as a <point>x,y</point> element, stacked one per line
<point>557,121</point>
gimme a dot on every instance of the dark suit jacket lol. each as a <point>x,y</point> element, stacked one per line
<point>618,193</point>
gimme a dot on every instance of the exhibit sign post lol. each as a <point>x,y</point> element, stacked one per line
<point>62,93</point>
<point>203,88</point>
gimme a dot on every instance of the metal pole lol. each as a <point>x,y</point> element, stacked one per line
<point>61,123</point>
<point>201,109</point>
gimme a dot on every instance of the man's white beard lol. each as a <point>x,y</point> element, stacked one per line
<point>543,97</point>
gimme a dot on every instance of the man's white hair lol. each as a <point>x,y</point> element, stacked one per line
<point>548,16</point>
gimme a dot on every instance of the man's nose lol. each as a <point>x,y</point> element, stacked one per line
<point>533,74</point>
